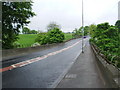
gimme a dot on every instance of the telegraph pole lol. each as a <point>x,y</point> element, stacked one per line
<point>82,27</point>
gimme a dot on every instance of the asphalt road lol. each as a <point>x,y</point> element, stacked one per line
<point>44,73</point>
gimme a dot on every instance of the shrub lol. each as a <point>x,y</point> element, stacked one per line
<point>42,38</point>
<point>55,36</point>
<point>106,38</point>
<point>16,45</point>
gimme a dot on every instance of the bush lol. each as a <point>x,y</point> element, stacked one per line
<point>55,36</point>
<point>106,38</point>
<point>42,38</point>
<point>16,45</point>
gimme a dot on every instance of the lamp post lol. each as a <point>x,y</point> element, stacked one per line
<point>82,27</point>
<point>119,10</point>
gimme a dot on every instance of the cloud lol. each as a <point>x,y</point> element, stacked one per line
<point>68,13</point>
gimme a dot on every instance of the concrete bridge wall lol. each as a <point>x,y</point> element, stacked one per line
<point>110,73</point>
<point>14,53</point>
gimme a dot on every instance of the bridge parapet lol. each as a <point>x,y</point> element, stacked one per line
<point>110,73</point>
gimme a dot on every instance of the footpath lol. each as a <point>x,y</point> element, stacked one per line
<point>84,73</point>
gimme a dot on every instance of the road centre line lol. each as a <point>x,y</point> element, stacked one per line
<point>23,63</point>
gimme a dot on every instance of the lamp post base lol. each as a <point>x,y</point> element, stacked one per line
<point>82,51</point>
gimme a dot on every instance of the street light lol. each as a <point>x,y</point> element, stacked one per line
<point>82,27</point>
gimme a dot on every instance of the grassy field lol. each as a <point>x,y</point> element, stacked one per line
<point>26,40</point>
<point>68,36</point>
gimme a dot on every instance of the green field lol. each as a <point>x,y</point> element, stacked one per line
<point>26,40</point>
<point>68,36</point>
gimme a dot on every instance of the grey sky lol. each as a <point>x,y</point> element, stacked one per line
<point>67,13</point>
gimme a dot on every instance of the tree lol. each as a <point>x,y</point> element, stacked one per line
<point>92,29</point>
<point>26,30</point>
<point>55,36</point>
<point>52,25</point>
<point>86,30</point>
<point>14,16</point>
<point>117,24</point>
<point>33,32</point>
<point>105,36</point>
<point>77,32</point>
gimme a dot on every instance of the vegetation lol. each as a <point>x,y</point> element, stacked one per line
<point>52,26</point>
<point>27,40</point>
<point>68,36</point>
<point>52,36</point>
<point>33,32</point>
<point>86,30</point>
<point>28,31</point>
<point>92,28</point>
<point>105,36</point>
<point>25,30</point>
<point>55,36</point>
<point>14,16</point>
<point>78,32</point>
<point>42,38</point>
<point>117,24</point>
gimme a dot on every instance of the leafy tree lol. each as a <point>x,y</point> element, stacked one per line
<point>117,24</point>
<point>33,32</point>
<point>14,16</point>
<point>26,30</point>
<point>86,30</point>
<point>52,26</point>
<point>55,36</point>
<point>105,36</point>
<point>77,32</point>
<point>98,33</point>
<point>92,29</point>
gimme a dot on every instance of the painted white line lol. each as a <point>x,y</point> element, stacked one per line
<point>23,63</point>
<point>13,66</point>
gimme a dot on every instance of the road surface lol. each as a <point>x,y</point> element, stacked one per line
<point>53,63</point>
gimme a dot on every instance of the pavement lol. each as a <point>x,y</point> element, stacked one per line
<point>84,73</point>
<point>42,69</point>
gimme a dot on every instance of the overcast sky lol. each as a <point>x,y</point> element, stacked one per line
<point>68,13</point>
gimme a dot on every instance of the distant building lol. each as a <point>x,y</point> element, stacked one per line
<point>119,10</point>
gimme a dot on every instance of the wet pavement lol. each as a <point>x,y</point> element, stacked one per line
<point>43,73</point>
<point>37,54</point>
<point>84,73</point>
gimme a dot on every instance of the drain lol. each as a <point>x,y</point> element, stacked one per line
<point>70,76</point>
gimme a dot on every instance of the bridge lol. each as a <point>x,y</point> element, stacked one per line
<point>58,66</point>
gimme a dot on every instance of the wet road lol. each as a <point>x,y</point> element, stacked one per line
<point>43,73</point>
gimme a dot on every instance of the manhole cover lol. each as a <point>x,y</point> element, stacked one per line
<point>70,76</point>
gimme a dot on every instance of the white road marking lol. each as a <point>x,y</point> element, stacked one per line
<point>23,63</point>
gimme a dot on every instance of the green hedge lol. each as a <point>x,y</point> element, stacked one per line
<point>106,37</point>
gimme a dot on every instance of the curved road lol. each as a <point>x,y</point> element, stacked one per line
<point>45,72</point>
